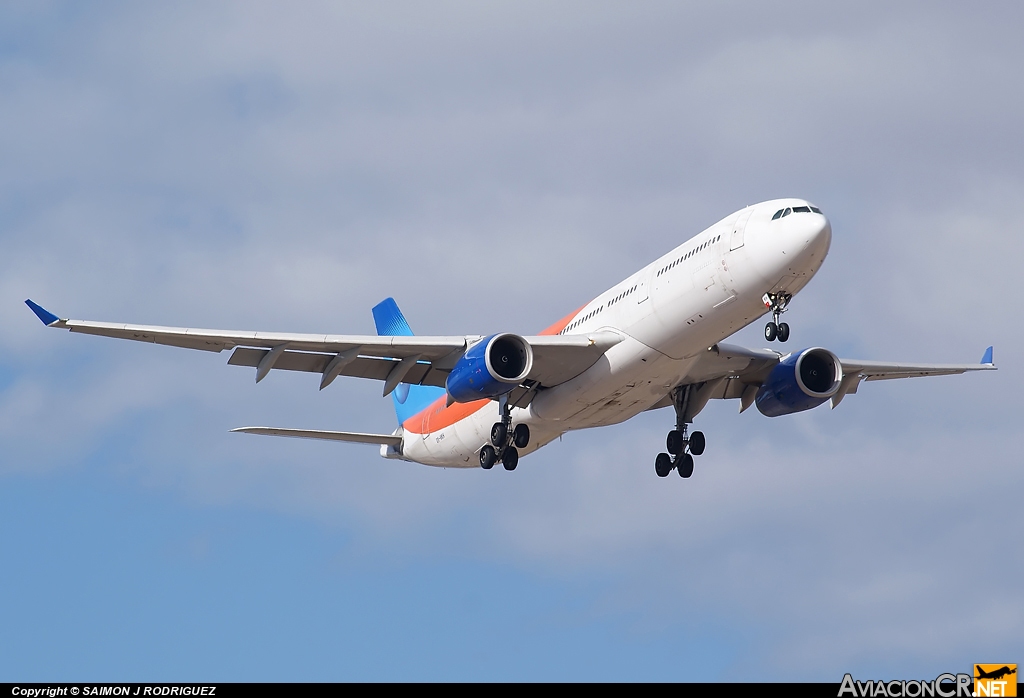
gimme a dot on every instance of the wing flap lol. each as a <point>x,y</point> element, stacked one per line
<point>375,368</point>
<point>554,361</point>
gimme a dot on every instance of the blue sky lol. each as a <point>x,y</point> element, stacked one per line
<point>285,168</point>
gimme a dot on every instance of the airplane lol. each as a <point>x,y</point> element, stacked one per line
<point>651,341</point>
<point>996,674</point>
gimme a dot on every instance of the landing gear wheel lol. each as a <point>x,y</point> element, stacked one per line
<point>685,465</point>
<point>487,457</point>
<point>499,435</point>
<point>663,464</point>
<point>697,443</point>
<point>674,443</point>
<point>510,458</point>
<point>777,304</point>
<point>521,436</point>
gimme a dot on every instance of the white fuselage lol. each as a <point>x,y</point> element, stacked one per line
<point>667,313</point>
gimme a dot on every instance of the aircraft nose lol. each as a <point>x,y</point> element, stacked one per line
<point>815,239</point>
<point>820,237</point>
<point>792,244</point>
<point>808,235</point>
<point>804,239</point>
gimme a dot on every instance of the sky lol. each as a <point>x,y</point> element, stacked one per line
<point>493,166</point>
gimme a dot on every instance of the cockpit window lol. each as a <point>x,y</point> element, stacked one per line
<point>783,212</point>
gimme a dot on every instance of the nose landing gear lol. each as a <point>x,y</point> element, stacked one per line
<point>505,441</point>
<point>777,303</point>
<point>681,448</point>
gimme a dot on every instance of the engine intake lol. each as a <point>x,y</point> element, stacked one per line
<point>491,367</point>
<point>802,380</point>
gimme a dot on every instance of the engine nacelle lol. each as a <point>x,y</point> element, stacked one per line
<point>802,380</point>
<point>492,367</point>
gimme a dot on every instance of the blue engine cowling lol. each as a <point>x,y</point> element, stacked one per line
<point>802,380</point>
<point>491,367</point>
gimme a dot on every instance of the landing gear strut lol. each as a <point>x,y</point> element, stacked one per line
<point>777,303</point>
<point>681,448</point>
<point>505,441</point>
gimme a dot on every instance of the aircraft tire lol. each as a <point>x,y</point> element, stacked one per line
<point>771,331</point>
<point>521,436</point>
<point>499,434</point>
<point>487,457</point>
<point>783,332</point>
<point>510,458</point>
<point>685,465</point>
<point>697,443</point>
<point>674,442</point>
<point>663,464</point>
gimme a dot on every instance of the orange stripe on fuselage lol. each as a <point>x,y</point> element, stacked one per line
<point>563,323</point>
<point>437,416</point>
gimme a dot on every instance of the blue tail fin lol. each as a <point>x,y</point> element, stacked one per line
<point>408,399</point>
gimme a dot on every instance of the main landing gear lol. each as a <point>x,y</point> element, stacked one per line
<point>505,441</point>
<point>681,448</point>
<point>776,302</point>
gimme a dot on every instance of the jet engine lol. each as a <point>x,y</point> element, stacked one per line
<point>491,367</point>
<point>802,380</point>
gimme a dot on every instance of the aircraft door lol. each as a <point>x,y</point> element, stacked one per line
<point>642,291</point>
<point>425,424</point>
<point>736,239</point>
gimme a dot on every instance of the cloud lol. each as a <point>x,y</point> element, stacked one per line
<point>492,167</point>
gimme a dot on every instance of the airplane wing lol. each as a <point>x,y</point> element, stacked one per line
<point>726,371</point>
<point>417,360</point>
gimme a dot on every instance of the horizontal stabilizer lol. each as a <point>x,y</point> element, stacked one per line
<point>351,437</point>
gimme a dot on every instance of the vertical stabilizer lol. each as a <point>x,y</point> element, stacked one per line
<point>408,399</point>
